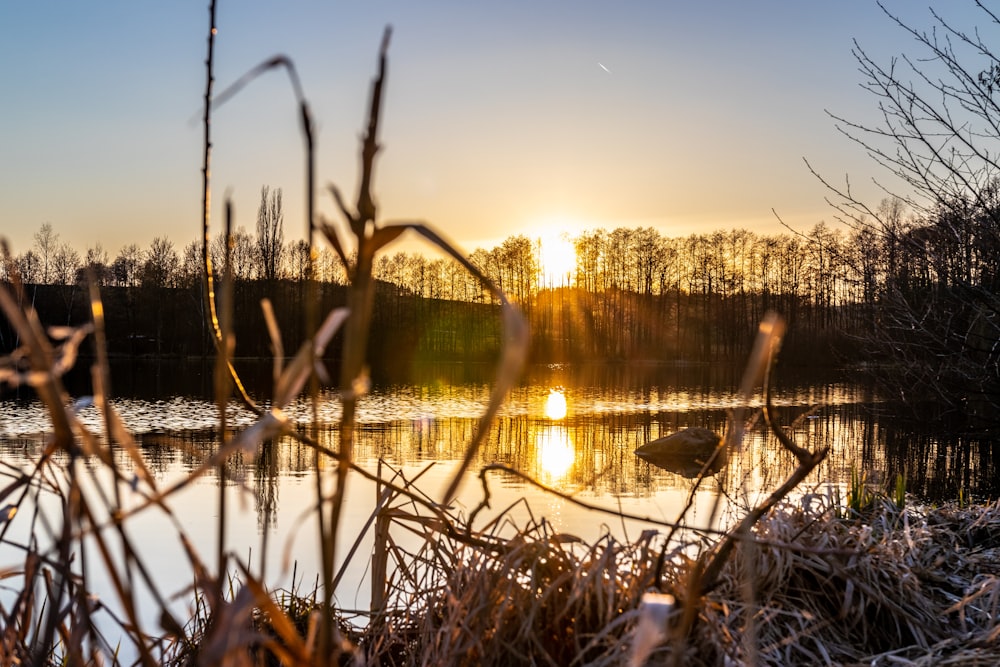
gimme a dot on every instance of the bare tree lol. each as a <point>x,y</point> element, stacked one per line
<point>270,233</point>
<point>29,266</point>
<point>46,243</point>
<point>243,255</point>
<point>189,272</point>
<point>65,265</point>
<point>98,262</point>
<point>590,260</point>
<point>519,264</point>
<point>483,260</point>
<point>159,264</point>
<point>329,268</point>
<point>298,261</point>
<point>460,288</point>
<point>125,268</point>
<point>939,138</point>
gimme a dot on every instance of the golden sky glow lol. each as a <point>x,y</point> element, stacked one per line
<point>500,118</point>
<point>556,252</point>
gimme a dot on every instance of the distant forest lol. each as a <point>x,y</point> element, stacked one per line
<point>633,295</point>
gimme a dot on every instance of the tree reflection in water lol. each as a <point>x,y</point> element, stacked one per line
<point>574,428</point>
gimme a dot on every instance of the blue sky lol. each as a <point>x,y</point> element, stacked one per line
<point>500,118</point>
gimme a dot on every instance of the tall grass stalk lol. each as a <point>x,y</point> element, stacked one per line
<point>788,583</point>
<point>368,237</point>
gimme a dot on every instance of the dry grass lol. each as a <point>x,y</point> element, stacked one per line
<point>788,584</point>
<point>813,583</point>
<point>887,588</point>
<point>918,586</point>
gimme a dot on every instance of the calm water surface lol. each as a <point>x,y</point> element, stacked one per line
<point>573,428</point>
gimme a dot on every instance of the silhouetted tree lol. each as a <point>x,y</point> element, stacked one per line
<point>190,269</point>
<point>29,267</point>
<point>243,255</point>
<point>519,264</point>
<point>125,268</point>
<point>65,265</point>
<point>98,263</point>
<point>298,260</point>
<point>329,268</point>
<point>939,313</point>
<point>159,264</point>
<point>46,244</point>
<point>270,233</point>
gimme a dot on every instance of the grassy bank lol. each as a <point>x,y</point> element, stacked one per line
<point>799,579</point>
<point>813,584</point>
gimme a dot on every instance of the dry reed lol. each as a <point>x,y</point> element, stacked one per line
<point>806,587</point>
<point>791,583</point>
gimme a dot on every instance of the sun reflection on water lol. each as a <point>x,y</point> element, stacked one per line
<point>555,453</point>
<point>555,404</point>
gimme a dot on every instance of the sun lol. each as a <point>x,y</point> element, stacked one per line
<point>557,259</point>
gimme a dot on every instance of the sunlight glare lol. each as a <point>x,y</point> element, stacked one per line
<point>555,404</point>
<point>555,453</point>
<point>557,259</point>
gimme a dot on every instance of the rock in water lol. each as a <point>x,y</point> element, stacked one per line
<point>686,452</point>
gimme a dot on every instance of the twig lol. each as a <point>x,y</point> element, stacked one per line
<point>807,463</point>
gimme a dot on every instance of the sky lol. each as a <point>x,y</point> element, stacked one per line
<point>514,117</point>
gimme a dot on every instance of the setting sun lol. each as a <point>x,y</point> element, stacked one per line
<point>557,259</point>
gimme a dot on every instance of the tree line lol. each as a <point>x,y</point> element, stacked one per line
<point>633,294</point>
<point>909,292</point>
<point>260,255</point>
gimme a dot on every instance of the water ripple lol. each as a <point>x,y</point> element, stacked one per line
<point>406,403</point>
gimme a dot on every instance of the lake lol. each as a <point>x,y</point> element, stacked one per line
<point>572,428</point>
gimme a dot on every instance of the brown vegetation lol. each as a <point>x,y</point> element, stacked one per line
<point>808,587</point>
<point>790,582</point>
